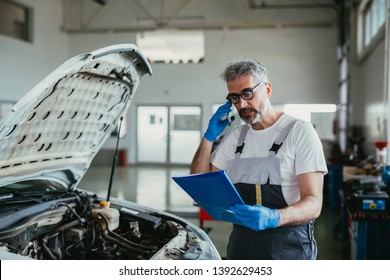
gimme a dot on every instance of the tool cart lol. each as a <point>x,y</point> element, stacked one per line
<point>366,219</point>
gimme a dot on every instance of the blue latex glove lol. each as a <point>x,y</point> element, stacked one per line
<point>256,217</point>
<point>217,122</point>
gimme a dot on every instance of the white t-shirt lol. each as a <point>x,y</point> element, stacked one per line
<point>300,153</point>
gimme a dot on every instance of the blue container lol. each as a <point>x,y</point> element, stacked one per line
<point>335,185</point>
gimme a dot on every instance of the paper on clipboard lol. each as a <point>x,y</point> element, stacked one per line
<point>214,192</point>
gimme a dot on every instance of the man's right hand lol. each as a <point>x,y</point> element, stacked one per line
<point>216,124</point>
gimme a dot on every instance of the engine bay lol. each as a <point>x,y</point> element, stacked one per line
<point>79,226</point>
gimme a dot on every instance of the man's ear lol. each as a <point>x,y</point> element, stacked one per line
<point>269,89</point>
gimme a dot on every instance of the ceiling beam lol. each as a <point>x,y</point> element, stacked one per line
<point>254,5</point>
<point>204,26</point>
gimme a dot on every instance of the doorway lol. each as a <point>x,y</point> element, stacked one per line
<point>168,134</point>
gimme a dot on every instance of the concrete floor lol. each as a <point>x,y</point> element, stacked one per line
<point>152,186</point>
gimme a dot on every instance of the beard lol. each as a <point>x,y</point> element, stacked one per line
<point>250,115</point>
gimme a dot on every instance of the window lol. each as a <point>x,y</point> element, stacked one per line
<point>15,20</point>
<point>320,115</point>
<point>172,46</point>
<point>371,20</point>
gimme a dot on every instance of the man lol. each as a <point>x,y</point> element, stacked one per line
<point>276,163</point>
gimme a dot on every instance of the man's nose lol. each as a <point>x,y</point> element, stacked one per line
<point>242,103</point>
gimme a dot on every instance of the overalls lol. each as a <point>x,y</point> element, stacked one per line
<point>258,181</point>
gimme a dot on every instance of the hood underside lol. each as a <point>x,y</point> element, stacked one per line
<point>57,128</point>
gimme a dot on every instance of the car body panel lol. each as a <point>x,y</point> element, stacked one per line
<point>55,130</point>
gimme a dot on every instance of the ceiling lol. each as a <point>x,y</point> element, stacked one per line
<point>88,16</point>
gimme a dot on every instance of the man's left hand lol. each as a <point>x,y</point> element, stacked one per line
<point>256,217</point>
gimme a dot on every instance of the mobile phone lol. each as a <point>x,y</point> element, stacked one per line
<point>226,117</point>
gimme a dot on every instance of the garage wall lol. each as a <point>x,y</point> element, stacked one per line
<point>302,67</point>
<point>24,64</point>
<point>301,62</point>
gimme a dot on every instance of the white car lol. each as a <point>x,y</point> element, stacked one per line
<point>48,141</point>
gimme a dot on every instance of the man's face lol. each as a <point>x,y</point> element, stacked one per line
<point>250,111</point>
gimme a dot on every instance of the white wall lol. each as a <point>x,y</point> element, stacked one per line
<point>302,67</point>
<point>24,64</point>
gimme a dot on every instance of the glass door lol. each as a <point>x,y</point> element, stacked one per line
<point>168,134</point>
<point>184,133</point>
<point>152,131</point>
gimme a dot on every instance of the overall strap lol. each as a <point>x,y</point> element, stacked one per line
<point>241,140</point>
<point>284,130</point>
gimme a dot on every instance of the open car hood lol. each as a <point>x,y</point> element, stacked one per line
<point>57,128</point>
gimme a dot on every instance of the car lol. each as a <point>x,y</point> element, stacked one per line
<point>48,141</point>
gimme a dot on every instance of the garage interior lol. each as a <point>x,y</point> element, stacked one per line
<point>328,61</point>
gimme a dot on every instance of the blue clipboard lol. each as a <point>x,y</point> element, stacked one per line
<point>214,192</point>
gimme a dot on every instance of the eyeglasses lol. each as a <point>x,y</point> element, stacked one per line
<point>245,94</point>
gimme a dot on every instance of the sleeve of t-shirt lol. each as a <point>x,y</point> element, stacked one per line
<point>309,152</point>
<point>225,150</point>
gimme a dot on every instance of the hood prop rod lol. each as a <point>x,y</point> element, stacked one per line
<point>114,160</point>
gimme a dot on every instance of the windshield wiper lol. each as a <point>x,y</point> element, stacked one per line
<point>30,196</point>
<point>6,196</point>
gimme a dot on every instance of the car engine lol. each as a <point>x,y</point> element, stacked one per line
<point>75,226</point>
